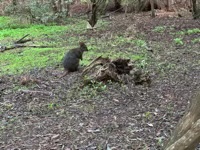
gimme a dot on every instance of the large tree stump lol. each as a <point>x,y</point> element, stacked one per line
<point>104,69</point>
<point>187,133</point>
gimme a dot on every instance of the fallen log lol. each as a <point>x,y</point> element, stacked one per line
<point>19,44</point>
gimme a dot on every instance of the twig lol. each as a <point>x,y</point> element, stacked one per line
<point>36,92</point>
<point>22,45</point>
<point>20,40</point>
<point>23,41</point>
<point>95,60</point>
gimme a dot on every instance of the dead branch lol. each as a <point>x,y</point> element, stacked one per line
<point>20,40</point>
<point>36,92</point>
<point>19,44</point>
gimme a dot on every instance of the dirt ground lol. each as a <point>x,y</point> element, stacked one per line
<point>57,114</point>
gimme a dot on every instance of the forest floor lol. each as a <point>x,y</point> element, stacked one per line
<point>51,113</point>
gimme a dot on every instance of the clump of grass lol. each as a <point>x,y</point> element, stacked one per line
<point>193,31</point>
<point>178,41</point>
<point>159,29</point>
<point>189,31</point>
<point>197,40</point>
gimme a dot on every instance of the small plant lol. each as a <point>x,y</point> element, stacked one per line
<point>148,115</point>
<point>88,91</point>
<point>99,86</point>
<point>178,41</point>
<point>160,140</point>
<point>140,43</point>
<point>52,106</point>
<point>193,31</point>
<point>181,33</point>
<point>159,29</point>
<point>197,40</point>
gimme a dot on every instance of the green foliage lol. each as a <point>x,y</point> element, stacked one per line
<point>87,92</point>
<point>35,30</point>
<point>19,60</point>
<point>159,29</point>
<point>189,31</point>
<point>178,41</point>
<point>193,31</point>
<point>34,11</point>
<point>181,33</point>
<point>148,115</point>
<point>140,43</point>
<point>52,106</point>
<point>165,66</point>
<point>160,140</point>
<point>197,40</point>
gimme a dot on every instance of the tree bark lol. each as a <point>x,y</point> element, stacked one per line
<point>194,6</point>
<point>152,2</point>
<point>93,19</point>
<point>54,7</point>
<point>59,5</point>
<point>187,133</point>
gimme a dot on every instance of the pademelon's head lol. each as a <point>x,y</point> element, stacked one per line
<point>83,47</point>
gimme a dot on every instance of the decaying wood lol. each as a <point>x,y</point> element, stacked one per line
<point>187,133</point>
<point>104,69</point>
<point>97,61</point>
<point>19,44</point>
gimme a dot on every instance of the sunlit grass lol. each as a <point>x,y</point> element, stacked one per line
<point>60,39</point>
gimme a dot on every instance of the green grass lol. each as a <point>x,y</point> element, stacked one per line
<point>19,60</point>
<point>18,30</point>
<point>196,40</point>
<point>189,31</point>
<point>35,30</point>
<point>60,39</point>
<point>159,29</point>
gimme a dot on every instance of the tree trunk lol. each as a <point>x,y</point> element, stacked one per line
<point>93,19</point>
<point>194,5</point>
<point>59,5</point>
<point>168,5</point>
<point>187,133</point>
<point>153,15</point>
<point>54,7</point>
<point>139,5</point>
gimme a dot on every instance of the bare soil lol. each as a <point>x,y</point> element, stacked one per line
<point>52,113</point>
